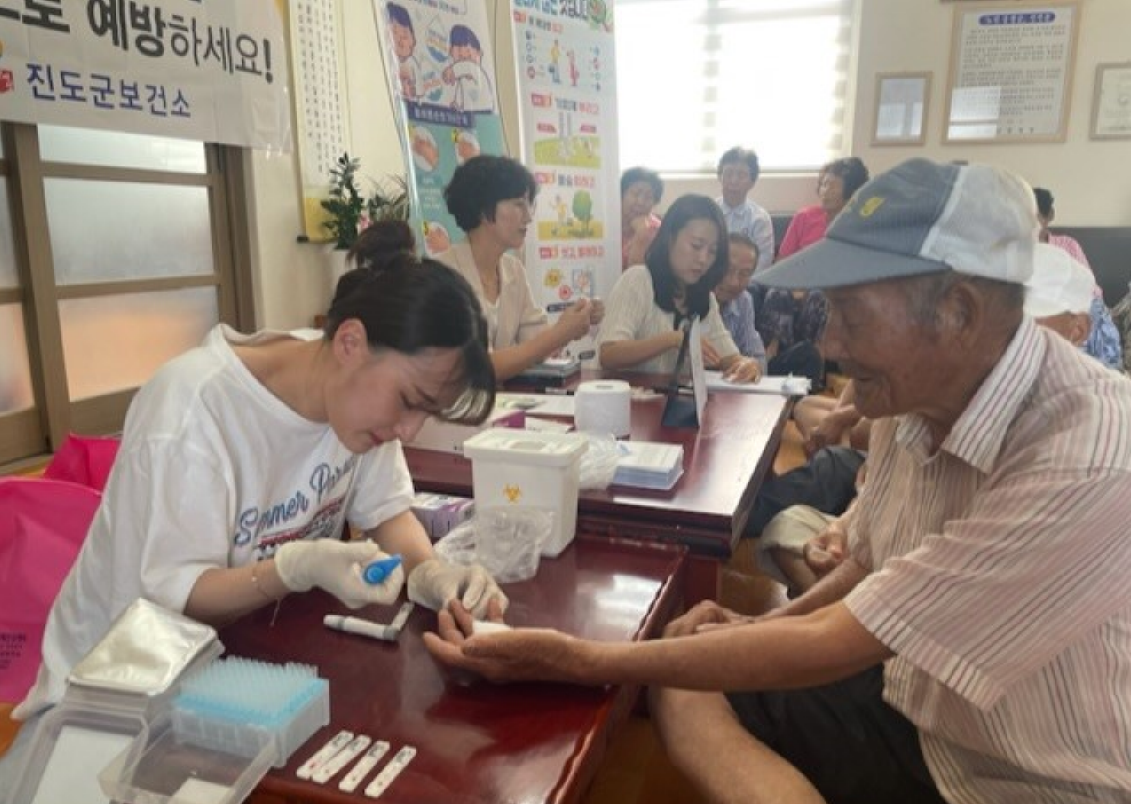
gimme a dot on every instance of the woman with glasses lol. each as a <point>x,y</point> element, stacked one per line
<point>492,198</point>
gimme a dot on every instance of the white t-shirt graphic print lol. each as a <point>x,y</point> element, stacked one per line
<point>214,471</point>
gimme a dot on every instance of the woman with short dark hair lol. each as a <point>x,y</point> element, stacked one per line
<point>492,200</point>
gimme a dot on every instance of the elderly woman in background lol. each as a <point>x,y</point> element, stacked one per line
<point>640,191</point>
<point>836,183</point>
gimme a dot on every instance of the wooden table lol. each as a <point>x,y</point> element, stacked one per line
<point>523,743</point>
<point>725,461</point>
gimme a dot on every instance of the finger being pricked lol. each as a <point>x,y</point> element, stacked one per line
<point>453,630</point>
<point>499,654</point>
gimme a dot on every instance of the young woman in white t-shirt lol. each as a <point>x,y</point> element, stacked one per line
<point>650,303</point>
<point>242,459</point>
<point>492,198</point>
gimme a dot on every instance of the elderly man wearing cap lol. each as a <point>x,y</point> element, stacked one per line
<point>976,644</point>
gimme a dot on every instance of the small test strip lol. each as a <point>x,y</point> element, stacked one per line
<point>390,772</point>
<point>344,757</point>
<point>323,754</point>
<point>367,763</point>
<point>402,616</point>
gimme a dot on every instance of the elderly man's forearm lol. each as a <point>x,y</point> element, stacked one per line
<point>786,653</point>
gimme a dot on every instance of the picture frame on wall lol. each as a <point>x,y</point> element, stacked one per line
<point>902,103</point>
<point>1111,103</point>
<point>1011,69</point>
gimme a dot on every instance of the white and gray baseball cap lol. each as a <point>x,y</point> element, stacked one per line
<point>919,218</point>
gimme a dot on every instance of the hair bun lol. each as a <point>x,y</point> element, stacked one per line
<point>379,242</point>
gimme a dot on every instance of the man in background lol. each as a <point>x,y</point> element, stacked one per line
<point>735,305</point>
<point>738,173</point>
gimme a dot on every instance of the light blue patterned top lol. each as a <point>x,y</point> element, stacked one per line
<point>1103,341</point>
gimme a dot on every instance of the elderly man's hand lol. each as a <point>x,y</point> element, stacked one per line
<point>706,615</point>
<point>829,432</point>
<point>524,654</point>
<point>827,550</point>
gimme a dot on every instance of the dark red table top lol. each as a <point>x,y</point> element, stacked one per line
<point>725,460</point>
<point>479,742</point>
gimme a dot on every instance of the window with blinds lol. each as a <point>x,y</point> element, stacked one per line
<point>695,77</point>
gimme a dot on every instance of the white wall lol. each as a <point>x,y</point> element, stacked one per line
<point>1091,180</point>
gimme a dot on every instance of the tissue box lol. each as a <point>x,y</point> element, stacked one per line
<point>511,468</point>
<point>440,513</point>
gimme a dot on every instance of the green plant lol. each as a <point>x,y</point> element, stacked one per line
<point>349,210</point>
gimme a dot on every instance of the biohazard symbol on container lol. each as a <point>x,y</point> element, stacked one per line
<point>512,493</point>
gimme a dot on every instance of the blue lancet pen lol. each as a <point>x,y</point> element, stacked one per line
<point>378,571</point>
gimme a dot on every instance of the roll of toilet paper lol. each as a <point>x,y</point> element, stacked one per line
<point>603,406</point>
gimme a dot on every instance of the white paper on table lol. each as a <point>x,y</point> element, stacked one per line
<point>542,404</point>
<point>649,456</point>
<point>784,386</point>
<point>547,425</point>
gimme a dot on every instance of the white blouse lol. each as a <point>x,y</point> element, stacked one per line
<point>631,314</point>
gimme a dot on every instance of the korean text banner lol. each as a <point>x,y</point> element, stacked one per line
<point>209,70</point>
<point>567,101</point>
<point>440,65</point>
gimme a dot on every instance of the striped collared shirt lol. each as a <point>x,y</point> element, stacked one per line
<point>751,220</point>
<point>1001,579</point>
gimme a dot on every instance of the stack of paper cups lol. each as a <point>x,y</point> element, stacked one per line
<point>603,406</point>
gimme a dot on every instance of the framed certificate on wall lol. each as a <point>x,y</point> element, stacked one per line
<point>1011,72</point>
<point>901,108</point>
<point>1111,106</point>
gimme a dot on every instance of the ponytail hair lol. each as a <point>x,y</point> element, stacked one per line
<point>408,305</point>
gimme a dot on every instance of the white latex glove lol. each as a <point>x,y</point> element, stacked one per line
<point>336,567</point>
<point>433,583</point>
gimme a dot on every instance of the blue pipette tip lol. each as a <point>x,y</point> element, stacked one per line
<point>378,571</point>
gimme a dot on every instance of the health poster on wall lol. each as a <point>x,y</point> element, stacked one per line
<point>567,102</point>
<point>1010,73</point>
<point>440,66</point>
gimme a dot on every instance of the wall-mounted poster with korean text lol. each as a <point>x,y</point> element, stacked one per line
<point>440,65</point>
<point>567,102</point>
<point>321,111</point>
<point>208,70</point>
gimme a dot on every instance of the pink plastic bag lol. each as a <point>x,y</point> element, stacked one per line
<point>42,525</point>
<point>85,460</point>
